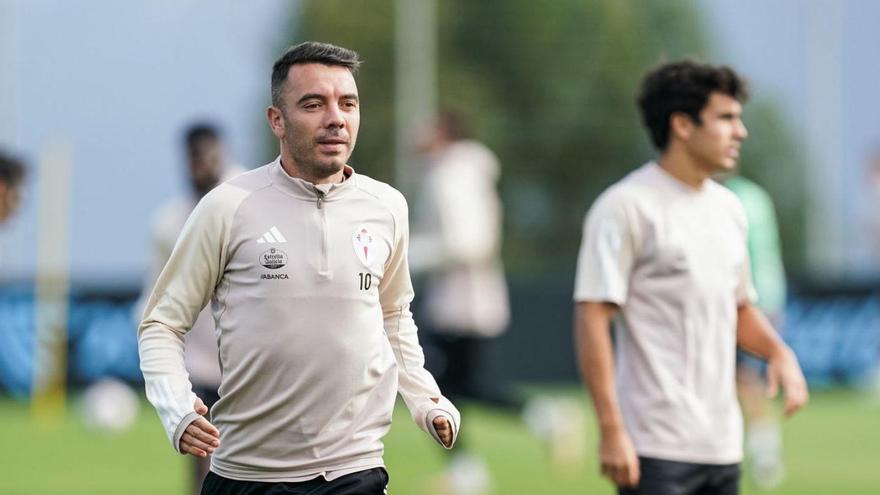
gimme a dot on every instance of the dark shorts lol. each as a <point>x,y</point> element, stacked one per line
<point>369,482</point>
<point>457,362</point>
<point>660,477</point>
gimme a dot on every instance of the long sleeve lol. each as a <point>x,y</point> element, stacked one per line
<point>165,227</point>
<point>183,288</point>
<point>416,385</point>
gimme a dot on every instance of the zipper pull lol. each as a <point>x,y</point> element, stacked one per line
<point>320,199</point>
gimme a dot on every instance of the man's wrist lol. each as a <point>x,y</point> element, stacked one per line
<point>181,428</point>
<point>611,428</point>
<point>780,351</point>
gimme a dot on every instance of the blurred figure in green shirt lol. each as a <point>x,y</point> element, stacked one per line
<point>763,437</point>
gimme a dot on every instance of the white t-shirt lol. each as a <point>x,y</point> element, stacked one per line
<point>675,260</point>
<point>458,242</point>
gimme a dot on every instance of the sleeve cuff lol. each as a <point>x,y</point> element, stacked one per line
<point>189,418</point>
<point>451,414</point>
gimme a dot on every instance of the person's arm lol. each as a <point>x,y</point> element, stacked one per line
<point>607,256</point>
<point>617,456</point>
<point>432,412</point>
<point>183,288</point>
<point>755,335</point>
<point>161,246</point>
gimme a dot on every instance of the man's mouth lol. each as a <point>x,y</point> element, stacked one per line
<point>332,140</point>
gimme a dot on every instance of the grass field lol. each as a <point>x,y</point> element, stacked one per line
<point>832,447</point>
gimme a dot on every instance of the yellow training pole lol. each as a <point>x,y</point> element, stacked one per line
<point>52,283</point>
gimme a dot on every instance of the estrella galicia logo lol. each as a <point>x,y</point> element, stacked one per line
<point>273,258</point>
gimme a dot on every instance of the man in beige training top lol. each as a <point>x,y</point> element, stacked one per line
<point>304,263</point>
<point>666,248</point>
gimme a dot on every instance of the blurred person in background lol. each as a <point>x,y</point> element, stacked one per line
<point>207,166</point>
<point>315,344</point>
<point>456,245</point>
<point>666,250</point>
<point>874,199</point>
<point>763,439</point>
<point>11,179</point>
<point>12,172</point>
<point>873,229</point>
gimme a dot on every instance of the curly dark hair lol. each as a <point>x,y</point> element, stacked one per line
<point>198,131</point>
<point>683,87</point>
<point>310,52</point>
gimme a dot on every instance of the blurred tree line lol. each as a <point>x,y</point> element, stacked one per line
<point>550,86</point>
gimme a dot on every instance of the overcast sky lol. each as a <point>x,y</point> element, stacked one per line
<point>118,81</point>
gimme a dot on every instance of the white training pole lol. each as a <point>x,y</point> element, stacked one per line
<point>415,81</point>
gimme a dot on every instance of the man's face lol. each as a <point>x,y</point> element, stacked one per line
<point>10,197</point>
<point>205,163</point>
<point>320,116</point>
<point>715,142</point>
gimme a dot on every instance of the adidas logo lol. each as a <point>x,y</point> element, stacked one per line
<point>272,237</point>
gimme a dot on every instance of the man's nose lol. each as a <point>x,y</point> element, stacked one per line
<point>741,131</point>
<point>333,117</point>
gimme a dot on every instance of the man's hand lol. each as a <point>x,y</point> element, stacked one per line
<point>783,369</point>
<point>618,459</point>
<point>444,430</point>
<point>201,437</point>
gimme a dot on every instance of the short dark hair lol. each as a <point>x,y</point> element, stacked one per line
<point>200,130</point>
<point>11,170</point>
<point>683,87</point>
<point>310,52</point>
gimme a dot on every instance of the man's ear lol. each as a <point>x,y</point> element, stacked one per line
<point>681,126</point>
<point>276,121</point>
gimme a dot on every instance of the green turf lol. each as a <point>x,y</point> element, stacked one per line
<point>68,458</point>
<point>832,447</point>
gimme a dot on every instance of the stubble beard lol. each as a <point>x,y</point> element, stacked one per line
<point>306,159</point>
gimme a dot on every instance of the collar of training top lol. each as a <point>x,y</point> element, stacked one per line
<point>306,190</point>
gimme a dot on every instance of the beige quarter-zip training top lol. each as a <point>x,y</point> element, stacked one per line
<point>310,291</point>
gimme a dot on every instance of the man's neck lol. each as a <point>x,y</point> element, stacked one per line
<point>684,168</point>
<point>295,172</point>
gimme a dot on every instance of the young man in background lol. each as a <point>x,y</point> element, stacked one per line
<point>665,249</point>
